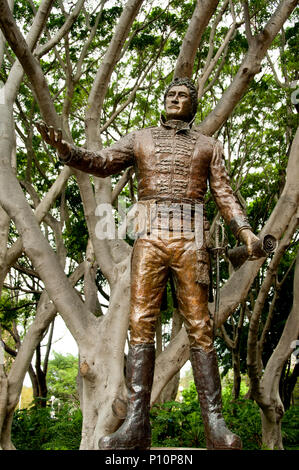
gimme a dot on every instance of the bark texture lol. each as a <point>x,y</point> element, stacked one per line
<point>202,14</point>
<point>272,409</point>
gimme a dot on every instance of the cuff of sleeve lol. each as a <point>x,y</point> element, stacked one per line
<point>66,158</point>
<point>239,223</point>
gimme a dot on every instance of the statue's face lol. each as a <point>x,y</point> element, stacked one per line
<point>178,104</point>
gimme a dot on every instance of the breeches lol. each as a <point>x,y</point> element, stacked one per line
<point>151,262</point>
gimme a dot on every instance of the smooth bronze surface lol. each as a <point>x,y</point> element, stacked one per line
<point>151,262</point>
<point>135,432</point>
<point>173,164</point>
<point>208,386</point>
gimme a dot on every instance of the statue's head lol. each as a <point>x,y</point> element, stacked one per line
<point>180,99</point>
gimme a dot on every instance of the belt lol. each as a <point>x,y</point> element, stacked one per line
<point>170,200</point>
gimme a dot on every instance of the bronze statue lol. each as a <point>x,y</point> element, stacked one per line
<point>173,164</point>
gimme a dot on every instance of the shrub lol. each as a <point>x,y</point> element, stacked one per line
<point>47,429</point>
<point>177,424</point>
<point>180,424</point>
<point>290,428</point>
<point>174,424</point>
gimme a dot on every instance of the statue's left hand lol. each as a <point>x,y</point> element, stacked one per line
<point>54,137</point>
<point>249,239</point>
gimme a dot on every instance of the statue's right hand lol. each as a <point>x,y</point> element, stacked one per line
<point>54,137</point>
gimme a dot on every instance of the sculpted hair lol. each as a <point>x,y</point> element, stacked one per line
<point>191,87</point>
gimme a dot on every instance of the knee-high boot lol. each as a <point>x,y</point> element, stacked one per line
<point>135,432</point>
<point>208,385</point>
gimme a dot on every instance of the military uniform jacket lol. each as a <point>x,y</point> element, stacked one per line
<point>173,163</point>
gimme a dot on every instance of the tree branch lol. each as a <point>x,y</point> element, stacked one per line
<point>4,230</point>
<point>16,249</point>
<point>283,350</point>
<point>87,44</point>
<point>247,22</point>
<point>9,350</point>
<point>135,88</point>
<point>2,38</point>
<point>101,82</point>
<point>49,344</point>
<point>30,65</point>
<point>209,66</point>
<point>45,314</point>
<point>249,68</point>
<point>16,74</point>
<point>201,16</point>
<point>71,18</point>
<point>252,342</point>
<point>121,183</point>
<point>279,83</point>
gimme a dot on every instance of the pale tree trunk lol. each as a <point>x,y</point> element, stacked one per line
<point>6,147</point>
<point>272,409</point>
<point>102,363</point>
<point>45,314</point>
<point>100,85</point>
<point>2,39</point>
<point>202,14</point>
<point>265,390</point>
<point>170,391</point>
<point>4,218</point>
<point>273,412</point>
<point>4,229</point>
<point>98,354</point>
<point>233,344</point>
<point>101,340</point>
<point>3,394</point>
<point>12,384</point>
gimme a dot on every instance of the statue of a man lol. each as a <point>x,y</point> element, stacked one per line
<point>173,164</point>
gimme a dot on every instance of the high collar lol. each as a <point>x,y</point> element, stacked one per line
<point>178,125</point>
